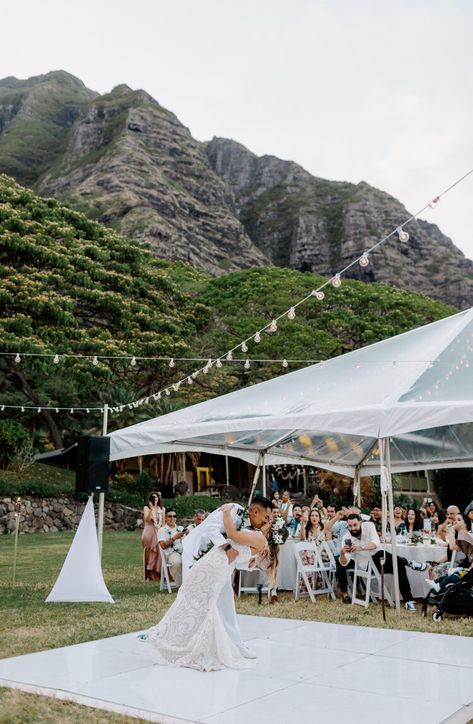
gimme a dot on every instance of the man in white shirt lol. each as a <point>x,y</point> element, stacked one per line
<point>199,517</point>
<point>361,544</point>
<point>170,541</point>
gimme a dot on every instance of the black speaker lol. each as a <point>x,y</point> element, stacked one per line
<point>93,461</point>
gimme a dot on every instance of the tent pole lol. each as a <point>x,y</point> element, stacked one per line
<point>264,475</point>
<point>255,479</point>
<point>227,472</point>
<point>357,487</point>
<point>102,495</point>
<point>385,461</point>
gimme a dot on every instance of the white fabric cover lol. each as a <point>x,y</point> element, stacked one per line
<point>81,577</point>
<point>415,388</point>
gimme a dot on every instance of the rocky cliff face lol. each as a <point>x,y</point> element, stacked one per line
<point>312,224</point>
<point>130,164</point>
<point>126,161</point>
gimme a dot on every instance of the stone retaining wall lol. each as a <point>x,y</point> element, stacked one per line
<point>50,515</point>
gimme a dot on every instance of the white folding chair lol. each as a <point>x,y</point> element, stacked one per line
<point>315,570</point>
<point>370,580</point>
<point>328,560</point>
<point>452,562</point>
<point>165,576</point>
<point>253,579</point>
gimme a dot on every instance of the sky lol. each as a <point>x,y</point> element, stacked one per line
<point>373,90</point>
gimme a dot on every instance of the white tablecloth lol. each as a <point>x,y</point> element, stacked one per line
<point>287,572</point>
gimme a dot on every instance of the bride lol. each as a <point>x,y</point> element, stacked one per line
<point>192,633</point>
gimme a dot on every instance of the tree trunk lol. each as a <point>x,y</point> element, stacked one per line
<point>31,394</point>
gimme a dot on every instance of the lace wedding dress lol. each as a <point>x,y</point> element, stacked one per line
<point>192,633</point>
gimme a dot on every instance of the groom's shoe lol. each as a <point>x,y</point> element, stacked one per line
<point>246,652</point>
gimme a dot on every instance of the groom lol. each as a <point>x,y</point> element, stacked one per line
<point>210,533</point>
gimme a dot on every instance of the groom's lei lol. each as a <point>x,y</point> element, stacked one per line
<point>242,514</point>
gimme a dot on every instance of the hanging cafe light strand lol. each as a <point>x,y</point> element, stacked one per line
<point>270,328</point>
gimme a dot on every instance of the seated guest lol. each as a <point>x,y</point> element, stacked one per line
<point>462,542</point>
<point>376,516</point>
<point>312,528</point>
<point>447,527</point>
<point>337,527</point>
<point>399,523</point>
<point>330,511</point>
<point>431,508</point>
<point>362,544</point>
<point>199,517</point>
<point>469,515</point>
<point>437,519</point>
<point>276,499</point>
<point>169,538</point>
<point>414,522</point>
<point>294,525</point>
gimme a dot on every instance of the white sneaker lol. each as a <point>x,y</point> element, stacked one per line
<point>410,606</point>
<point>417,566</point>
<point>432,584</point>
<point>246,652</point>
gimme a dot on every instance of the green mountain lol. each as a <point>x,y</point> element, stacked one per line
<point>71,286</point>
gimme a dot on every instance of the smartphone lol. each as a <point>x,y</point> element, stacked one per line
<point>348,542</point>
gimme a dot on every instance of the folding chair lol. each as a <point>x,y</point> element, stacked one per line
<point>328,560</point>
<point>255,578</point>
<point>370,580</point>
<point>316,570</point>
<point>165,576</point>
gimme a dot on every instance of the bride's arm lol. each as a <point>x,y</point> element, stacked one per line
<point>251,538</point>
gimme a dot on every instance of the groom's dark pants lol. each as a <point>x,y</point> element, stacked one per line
<point>404,585</point>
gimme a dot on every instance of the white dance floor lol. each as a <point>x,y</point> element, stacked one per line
<point>306,671</point>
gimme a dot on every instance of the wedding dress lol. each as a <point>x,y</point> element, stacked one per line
<point>192,633</point>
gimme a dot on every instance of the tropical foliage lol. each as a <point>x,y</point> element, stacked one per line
<point>71,286</point>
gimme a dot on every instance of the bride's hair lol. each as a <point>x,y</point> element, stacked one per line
<point>273,567</point>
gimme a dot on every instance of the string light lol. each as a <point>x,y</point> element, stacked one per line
<point>190,380</point>
<point>95,360</point>
<point>171,362</point>
<point>403,235</point>
<point>56,359</point>
<point>244,347</point>
<point>273,327</point>
<point>247,364</point>
<point>433,203</point>
<point>257,337</point>
<point>17,359</point>
<point>133,361</point>
<point>336,281</point>
<point>229,356</point>
<point>284,363</point>
<point>364,259</point>
<point>218,363</point>
<point>319,294</point>
<point>291,313</point>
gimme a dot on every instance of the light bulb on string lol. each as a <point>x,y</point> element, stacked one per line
<point>284,363</point>
<point>403,235</point>
<point>56,359</point>
<point>229,356</point>
<point>194,374</point>
<point>133,361</point>
<point>244,347</point>
<point>3,408</point>
<point>247,364</point>
<point>318,294</point>
<point>336,281</point>
<point>364,259</point>
<point>17,359</point>
<point>87,410</point>
<point>171,362</point>
<point>257,337</point>
<point>218,363</point>
<point>71,410</point>
<point>95,360</point>
<point>291,313</point>
<point>273,327</point>
<point>434,202</point>
<point>39,409</point>
<point>57,409</point>
<point>189,380</point>
<point>167,392</point>
<point>22,409</point>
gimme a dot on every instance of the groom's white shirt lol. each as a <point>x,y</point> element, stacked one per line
<point>211,530</point>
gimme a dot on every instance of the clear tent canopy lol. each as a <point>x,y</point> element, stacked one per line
<point>415,389</point>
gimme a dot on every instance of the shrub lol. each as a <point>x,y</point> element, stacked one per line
<point>13,437</point>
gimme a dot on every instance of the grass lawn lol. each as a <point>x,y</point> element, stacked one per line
<point>27,624</point>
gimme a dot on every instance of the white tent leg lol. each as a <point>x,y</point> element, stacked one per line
<point>100,519</point>
<point>385,462</point>
<point>227,472</point>
<point>255,479</point>
<point>264,475</point>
